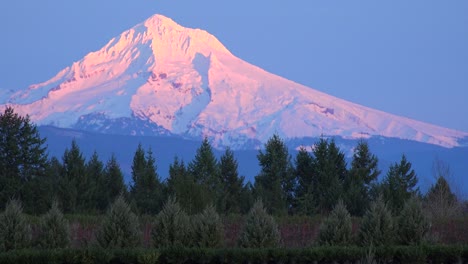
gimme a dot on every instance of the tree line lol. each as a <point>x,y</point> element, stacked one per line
<point>308,183</point>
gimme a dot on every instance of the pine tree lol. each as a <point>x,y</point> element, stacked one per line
<point>305,182</point>
<point>336,230</point>
<point>205,170</point>
<point>15,232</point>
<point>413,225</point>
<point>399,184</point>
<point>22,157</point>
<point>275,183</point>
<point>377,228</point>
<point>54,229</point>
<point>76,187</point>
<point>114,178</point>
<point>232,183</point>
<point>147,189</point>
<point>207,229</point>
<point>362,175</point>
<point>440,201</point>
<point>120,228</point>
<point>330,167</point>
<point>171,227</point>
<point>260,229</point>
<point>99,194</point>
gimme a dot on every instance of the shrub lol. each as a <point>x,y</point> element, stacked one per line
<point>377,225</point>
<point>413,225</point>
<point>171,227</point>
<point>54,229</point>
<point>207,228</point>
<point>15,232</point>
<point>260,229</point>
<point>120,228</point>
<point>336,230</point>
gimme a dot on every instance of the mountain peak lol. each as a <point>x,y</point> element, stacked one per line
<point>161,77</point>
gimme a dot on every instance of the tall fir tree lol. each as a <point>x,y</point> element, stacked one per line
<point>75,186</point>
<point>98,188</point>
<point>23,157</point>
<point>362,175</point>
<point>329,166</point>
<point>232,183</point>
<point>400,184</point>
<point>306,181</point>
<point>181,184</point>
<point>147,189</point>
<point>205,170</point>
<point>115,180</point>
<point>276,182</point>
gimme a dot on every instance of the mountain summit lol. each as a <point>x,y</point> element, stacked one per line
<point>161,78</point>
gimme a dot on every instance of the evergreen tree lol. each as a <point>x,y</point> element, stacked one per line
<point>399,184</point>
<point>75,187</point>
<point>413,225</point>
<point>205,170</point>
<point>362,175</point>
<point>22,157</point>
<point>99,194</point>
<point>276,183</point>
<point>54,229</point>
<point>336,230</point>
<point>147,189</point>
<point>232,183</point>
<point>120,228</point>
<point>305,182</point>
<point>377,228</point>
<point>114,178</point>
<point>171,227</point>
<point>207,229</point>
<point>440,201</point>
<point>181,184</point>
<point>260,229</point>
<point>330,168</point>
<point>15,232</point>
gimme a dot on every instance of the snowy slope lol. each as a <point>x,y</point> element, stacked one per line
<point>162,78</point>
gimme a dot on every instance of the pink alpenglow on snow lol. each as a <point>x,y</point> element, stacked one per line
<point>185,81</point>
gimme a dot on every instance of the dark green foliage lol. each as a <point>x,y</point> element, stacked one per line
<point>120,228</point>
<point>15,232</point>
<point>191,196</point>
<point>330,168</point>
<point>76,187</point>
<point>207,229</point>
<point>363,173</point>
<point>147,189</point>
<point>440,201</point>
<point>171,227</point>
<point>54,229</point>
<point>319,255</point>
<point>114,179</point>
<point>275,183</point>
<point>399,184</point>
<point>99,193</point>
<point>232,184</point>
<point>260,229</point>
<point>204,169</point>
<point>377,228</point>
<point>23,158</point>
<point>413,225</point>
<point>306,182</point>
<point>336,230</point>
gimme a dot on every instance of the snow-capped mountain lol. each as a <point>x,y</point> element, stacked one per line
<point>161,78</point>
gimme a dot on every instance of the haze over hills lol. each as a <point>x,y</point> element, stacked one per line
<point>159,78</point>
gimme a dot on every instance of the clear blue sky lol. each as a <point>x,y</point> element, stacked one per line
<point>404,57</point>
